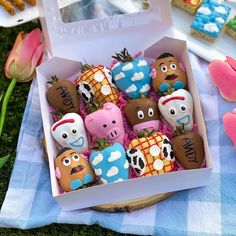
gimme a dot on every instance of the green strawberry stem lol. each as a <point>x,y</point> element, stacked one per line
<point>169,91</point>
<point>3,160</point>
<point>101,144</point>
<point>144,133</point>
<point>5,103</point>
<point>54,79</point>
<point>86,67</point>
<point>179,131</point>
<point>123,56</point>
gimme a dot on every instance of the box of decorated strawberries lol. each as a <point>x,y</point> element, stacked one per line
<point>120,108</point>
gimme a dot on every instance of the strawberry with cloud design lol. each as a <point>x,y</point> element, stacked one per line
<point>223,75</point>
<point>131,75</point>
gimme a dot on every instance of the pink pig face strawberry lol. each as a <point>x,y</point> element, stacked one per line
<point>106,123</point>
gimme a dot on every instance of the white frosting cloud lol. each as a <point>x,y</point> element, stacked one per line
<point>119,76</point>
<point>211,27</point>
<point>126,165</point>
<point>113,171</point>
<point>142,63</point>
<point>220,10</point>
<point>137,76</point>
<point>127,67</point>
<point>114,156</point>
<point>131,88</point>
<point>145,88</point>
<point>97,159</point>
<point>204,10</point>
<point>116,65</point>
<point>220,20</point>
<point>98,171</point>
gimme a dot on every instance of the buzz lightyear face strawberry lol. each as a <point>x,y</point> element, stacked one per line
<point>70,132</point>
<point>131,75</point>
<point>110,165</point>
<point>177,109</point>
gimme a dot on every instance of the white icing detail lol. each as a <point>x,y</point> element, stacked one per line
<point>158,164</point>
<point>119,180</point>
<point>155,150</point>
<point>119,76</point>
<point>142,63</point>
<point>126,165</point>
<point>137,76</point>
<point>204,10</point>
<point>98,172</point>
<point>220,9</point>
<point>106,89</point>
<point>98,76</point>
<point>103,181</point>
<point>97,159</point>
<point>220,20</point>
<point>116,65</point>
<point>114,156</point>
<point>113,171</point>
<point>145,88</point>
<point>211,27</point>
<point>131,88</point>
<point>127,67</point>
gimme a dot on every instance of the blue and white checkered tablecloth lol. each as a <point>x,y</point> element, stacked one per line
<point>203,211</point>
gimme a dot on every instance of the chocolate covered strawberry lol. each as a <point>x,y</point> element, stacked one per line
<point>188,148</point>
<point>142,113</point>
<point>96,81</point>
<point>131,75</point>
<point>151,155</point>
<point>62,95</point>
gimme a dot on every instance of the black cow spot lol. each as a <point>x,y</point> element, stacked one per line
<point>135,160</point>
<point>129,159</point>
<point>85,97</point>
<point>86,86</point>
<point>165,152</point>
<point>172,155</point>
<point>132,150</point>
<point>166,141</point>
<point>138,171</point>
<point>141,163</point>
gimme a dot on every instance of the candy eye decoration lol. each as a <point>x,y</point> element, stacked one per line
<point>164,69</point>
<point>74,131</point>
<point>64,135</point>
<point>75,157</point>
<point>173,66</point>
<point>140,115</point>
<point>150,112</point>
<point>183,108</point>
<point>66,162</point>
<point>172,111</point>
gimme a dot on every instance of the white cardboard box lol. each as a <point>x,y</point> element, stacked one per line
<point>129,31</point>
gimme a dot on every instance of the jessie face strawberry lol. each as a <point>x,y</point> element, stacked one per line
<point>62,95</point>
<point>97,80</point>
<point>142,113</point>
<point>151,155</point>
<point>177,109</point>
<point>170,73</point>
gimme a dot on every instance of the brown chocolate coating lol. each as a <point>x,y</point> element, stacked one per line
<point>72,166</point>
<point>168,71</point>
<point>189,150</point>
<point>63,96</point>
<point>141,110</point>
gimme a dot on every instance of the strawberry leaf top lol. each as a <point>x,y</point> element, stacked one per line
<point>123,56</point>
<point>169,91</point>
<point>180,130</point>
<point>86,67</point>
<point>53,80</point>
<point>144,133</point>
<point>101,144</point>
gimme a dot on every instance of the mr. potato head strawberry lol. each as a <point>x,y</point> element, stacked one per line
<point>142,114</point>
<point>62,95</point>
<point>169,73</point>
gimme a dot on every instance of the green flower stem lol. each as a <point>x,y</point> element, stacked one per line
<point>5,103</point>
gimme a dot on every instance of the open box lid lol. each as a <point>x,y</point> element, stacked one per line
<point>85,40</point>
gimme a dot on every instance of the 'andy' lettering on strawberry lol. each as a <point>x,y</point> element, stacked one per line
<point>70,132</point>
<point>106,123</point>
<point>177,109</point>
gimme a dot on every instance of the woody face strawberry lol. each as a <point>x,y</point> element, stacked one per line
<point>131,75</point>
<point>142,113</point>
<point>96,81</point>
<point>169,73</point>
<point>151,155</point>
<point>189,148</point>
<point>62,95</point>
<point>177,109</point>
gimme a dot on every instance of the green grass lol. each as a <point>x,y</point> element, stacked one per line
<point>8,142</point>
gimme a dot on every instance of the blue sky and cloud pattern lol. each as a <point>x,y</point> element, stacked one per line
<point>210,18</point>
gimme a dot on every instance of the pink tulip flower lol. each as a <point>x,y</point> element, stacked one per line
<point>20,66</point>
